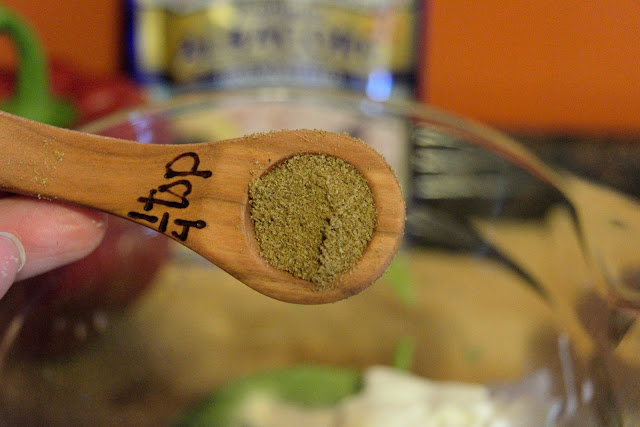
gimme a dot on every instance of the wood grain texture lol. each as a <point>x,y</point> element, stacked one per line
<point>198,193</point>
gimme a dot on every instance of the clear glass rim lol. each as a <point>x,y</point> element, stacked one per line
<point>405,107</point>
<point>469,130</point>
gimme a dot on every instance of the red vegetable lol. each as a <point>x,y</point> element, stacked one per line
<point>72,303</point>
<point>96,98</point>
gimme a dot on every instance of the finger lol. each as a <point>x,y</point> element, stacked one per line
<point>12,259</point>
<point>53,234</point>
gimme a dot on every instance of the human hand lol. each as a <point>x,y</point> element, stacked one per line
<point>37,236</point>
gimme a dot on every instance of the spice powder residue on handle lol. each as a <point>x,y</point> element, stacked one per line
<point>313,216</point>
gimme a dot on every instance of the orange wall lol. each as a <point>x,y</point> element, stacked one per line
<point>84,32</point>
<point>541,64</point>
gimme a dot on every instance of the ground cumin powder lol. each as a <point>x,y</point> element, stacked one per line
<point>313,216</point>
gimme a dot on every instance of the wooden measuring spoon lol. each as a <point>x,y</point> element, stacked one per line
<point>197,194</point>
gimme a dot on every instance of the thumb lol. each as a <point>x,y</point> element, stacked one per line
<point>52,234</point>
<point>12,259</point>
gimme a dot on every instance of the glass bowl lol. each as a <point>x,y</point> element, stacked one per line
<point>512,275</point>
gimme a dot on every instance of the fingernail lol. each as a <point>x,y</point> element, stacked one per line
<point>22,256</point>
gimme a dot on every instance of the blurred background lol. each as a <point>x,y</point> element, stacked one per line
<point>562,76</point>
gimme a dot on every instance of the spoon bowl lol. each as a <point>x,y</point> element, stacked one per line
<point>197,194</point>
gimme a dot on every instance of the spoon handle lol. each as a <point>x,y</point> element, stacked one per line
<point>59,164</point>
<point>197,194</point>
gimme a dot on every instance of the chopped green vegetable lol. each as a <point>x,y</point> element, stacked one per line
<point>311,386</point>
<point>403,354</point>
<point>398,276</point>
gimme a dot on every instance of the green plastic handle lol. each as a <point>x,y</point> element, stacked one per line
<point>32,98</point>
